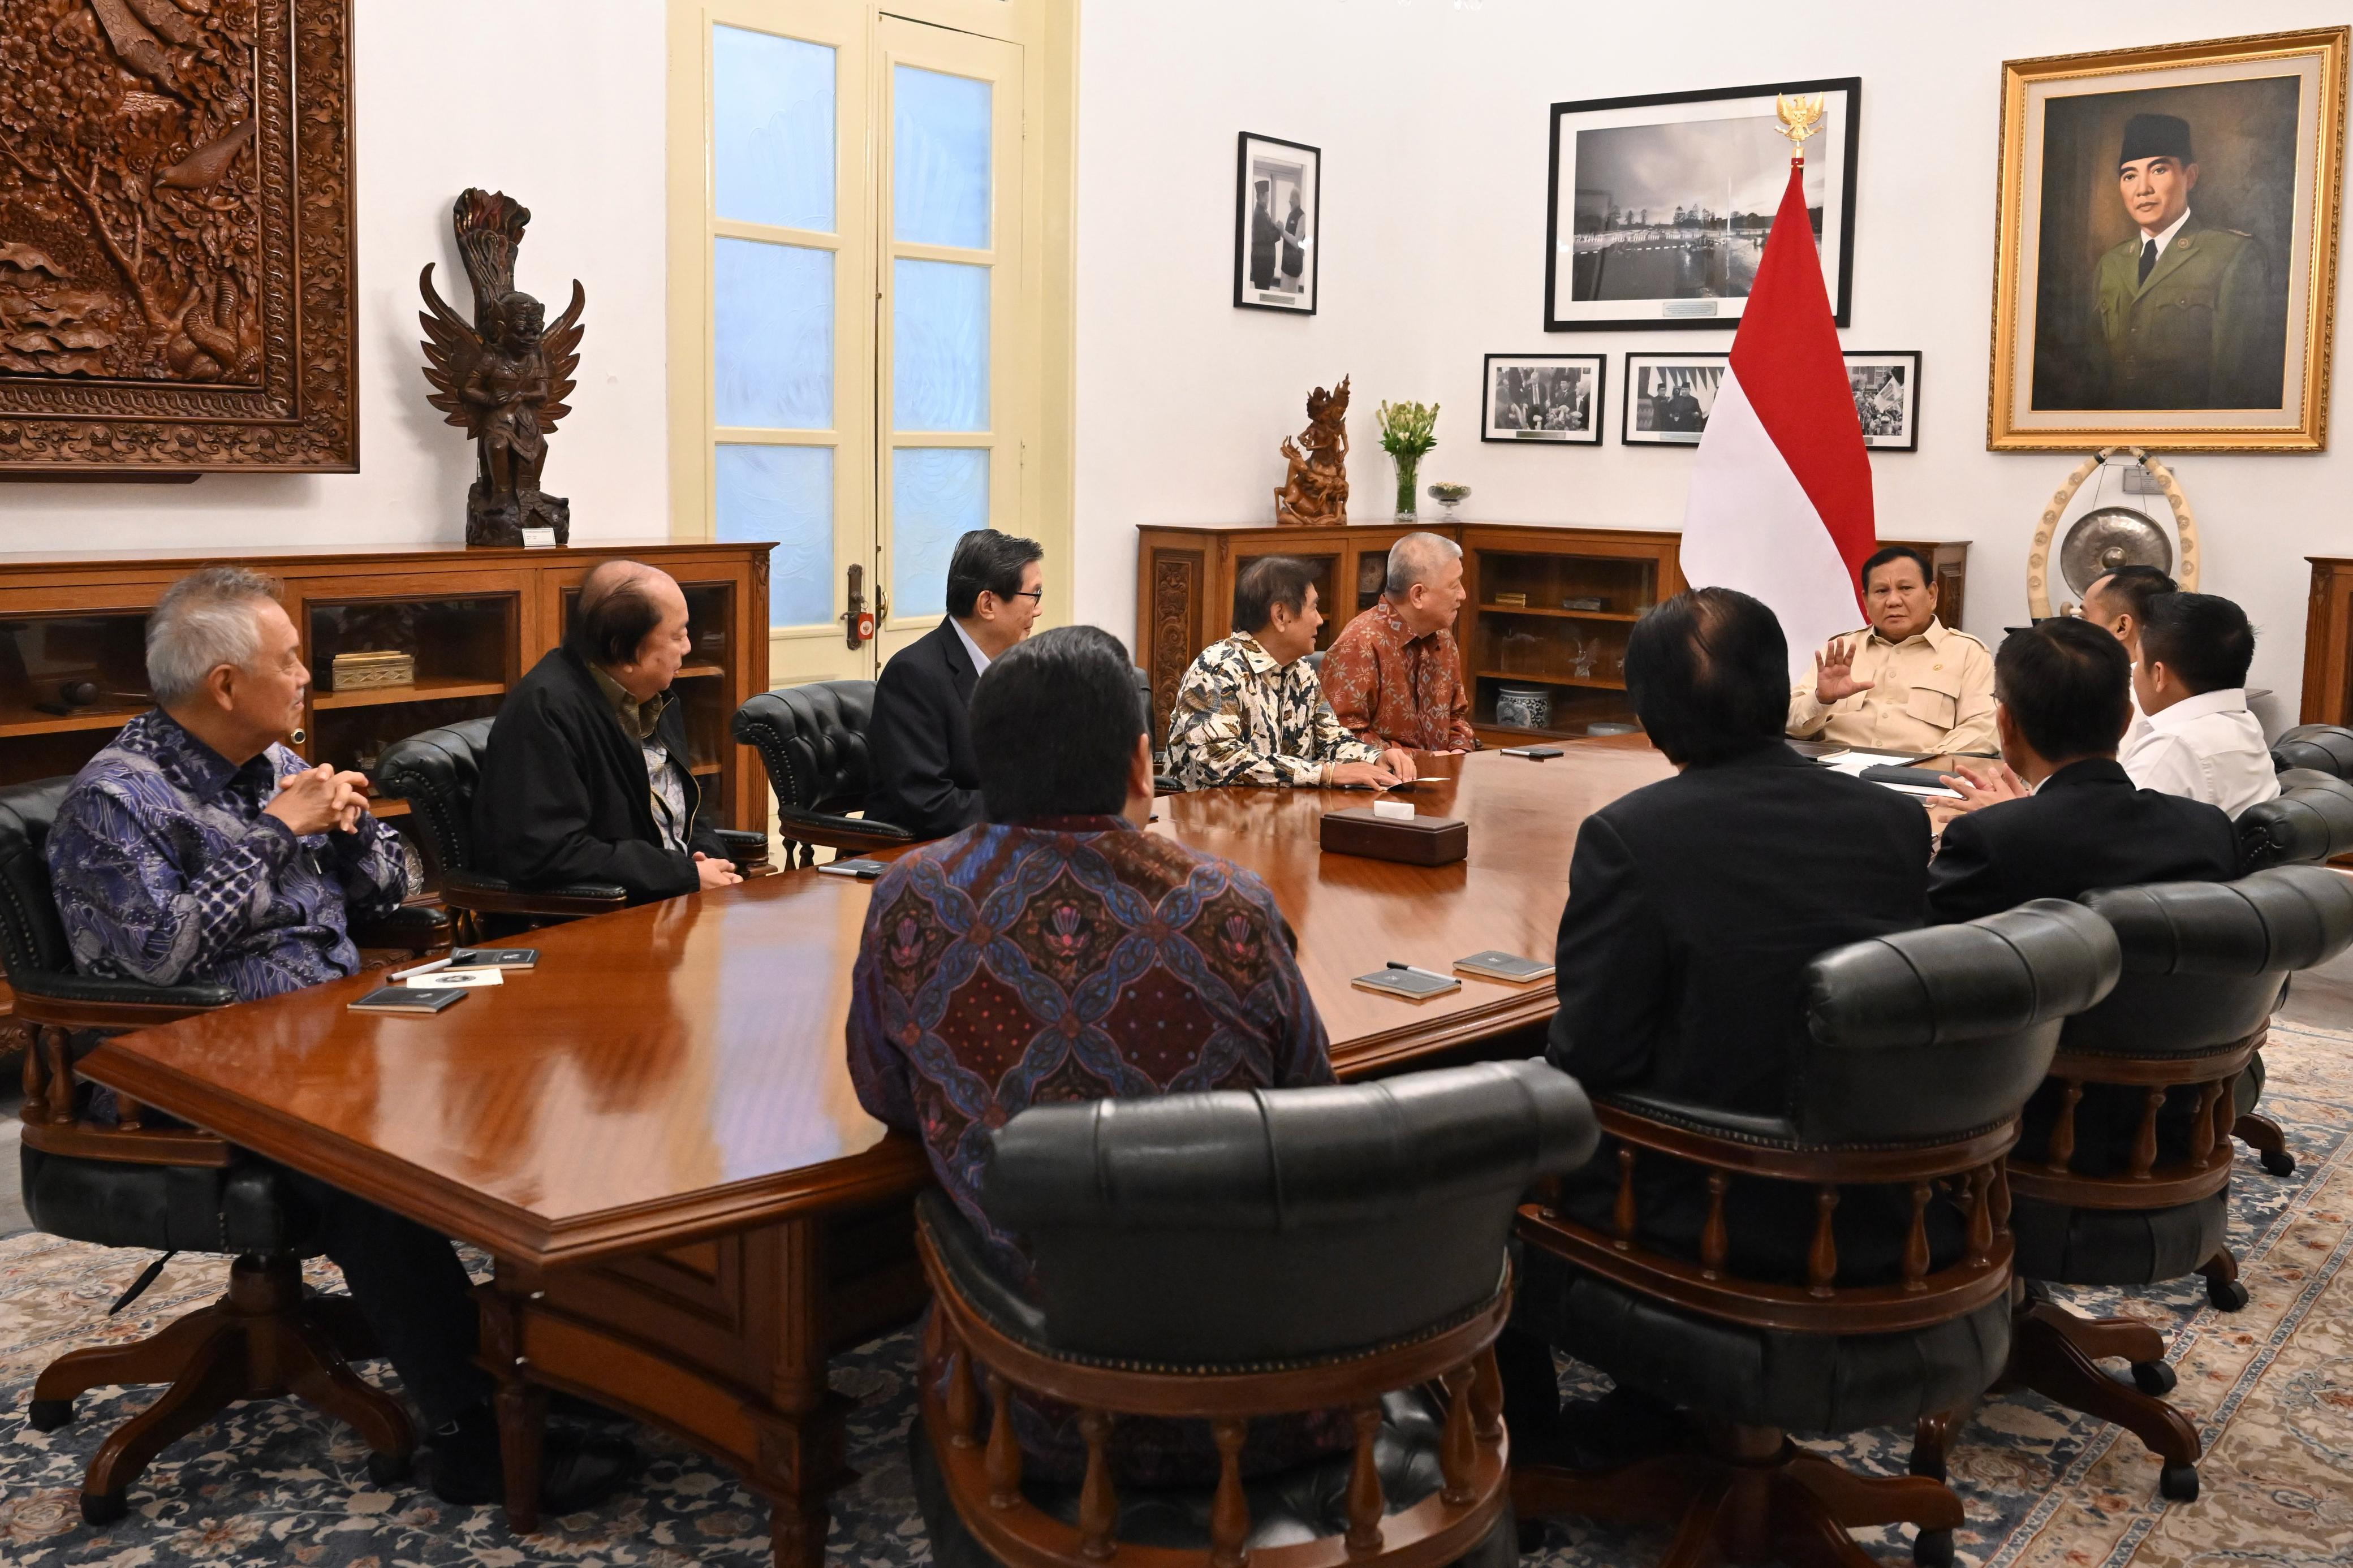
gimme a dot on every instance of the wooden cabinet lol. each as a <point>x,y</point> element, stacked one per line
<point>2328,642</point>
<point>1543,629</point>
<point>474,621</point>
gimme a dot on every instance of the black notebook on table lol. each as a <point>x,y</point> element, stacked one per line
<point>406,999</point>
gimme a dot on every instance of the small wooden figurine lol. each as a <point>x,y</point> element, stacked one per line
<point>502,380</point>
<point>1316,491</point>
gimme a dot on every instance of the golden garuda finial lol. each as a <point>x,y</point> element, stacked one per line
<point>1800,117</point>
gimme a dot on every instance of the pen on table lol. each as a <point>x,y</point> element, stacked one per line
<point>422,969</point>
<point>1410,969</point>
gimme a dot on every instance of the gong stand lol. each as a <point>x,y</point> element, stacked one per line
<point>2038,559</point>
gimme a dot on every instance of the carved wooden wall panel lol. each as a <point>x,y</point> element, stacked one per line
<point>176,269</point>
<point>1176,590</point>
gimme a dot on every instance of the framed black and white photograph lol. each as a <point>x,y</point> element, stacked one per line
<point>1553,398</point>
<point>1277,184</point>
<point>1669,397</point>
<point>1659,206</point>
<point>1886,397</point>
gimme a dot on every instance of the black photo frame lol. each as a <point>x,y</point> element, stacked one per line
<point>1681,265</point>
<point>1508,433</point>
<point>1905,362</point>
<point>1644,420</point>
<point>1265,276</point>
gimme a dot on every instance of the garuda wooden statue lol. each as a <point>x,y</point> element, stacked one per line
<point>1316,489</point>
<point>503,379</point>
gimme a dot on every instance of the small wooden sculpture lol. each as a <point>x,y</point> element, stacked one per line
<point>1316,491</point>
<point>502,380</point>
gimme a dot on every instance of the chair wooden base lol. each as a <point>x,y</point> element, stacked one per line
<point>1753,1496</point>
<point>2056,1354</point>
<point>2261,1134</point>
<point>265,1338</point>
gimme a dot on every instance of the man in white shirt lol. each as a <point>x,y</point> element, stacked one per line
<point>2190,679</point>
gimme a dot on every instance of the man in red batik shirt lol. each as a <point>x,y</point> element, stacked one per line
<point>1394,676</point>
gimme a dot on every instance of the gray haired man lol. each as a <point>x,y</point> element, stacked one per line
<point>195,848</point>
<point>1394,676</point>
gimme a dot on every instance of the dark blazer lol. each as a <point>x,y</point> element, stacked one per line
<point>920,738</point>
<point>1694,906</point>
<point>2087,827</point>
<point>562,797</point>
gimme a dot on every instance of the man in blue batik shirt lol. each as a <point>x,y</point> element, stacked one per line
<point>195,848</point>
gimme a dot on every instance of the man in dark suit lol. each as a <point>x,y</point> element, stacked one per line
<point>925,779</point>
<point>1694,906</point>
<point>587,776</point>
<point>2060,816</point>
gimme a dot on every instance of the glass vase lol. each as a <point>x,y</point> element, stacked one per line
<point>1408,465</point>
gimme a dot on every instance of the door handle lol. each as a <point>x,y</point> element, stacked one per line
<point>858,619</point>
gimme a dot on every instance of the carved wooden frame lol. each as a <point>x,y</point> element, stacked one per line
<point>303,416</point>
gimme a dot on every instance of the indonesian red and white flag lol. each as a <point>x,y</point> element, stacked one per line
<point>1780,493</point>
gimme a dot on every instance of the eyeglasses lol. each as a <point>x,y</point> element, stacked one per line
<point>1037,594</point>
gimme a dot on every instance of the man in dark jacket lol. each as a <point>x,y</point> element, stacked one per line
<point>1694,906</point>
<point>2061,817</point>
<point>920,740</point>
<point>586,777</point>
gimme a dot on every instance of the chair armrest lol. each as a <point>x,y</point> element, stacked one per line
<point>497,896</point>
<point>744,846</point>
<point>88,1002</point>
<point>414,928</point>
<point>867,829</point>
<point>1706,1121</point>
<point>1769,1146</point>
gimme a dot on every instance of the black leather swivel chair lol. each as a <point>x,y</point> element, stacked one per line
<point>170,1189</point>
<point>2122,1174</point>
<point>2310,821</point>
<point>435,772</point>
<point>2328,747</point>
<point>1236,1254</point>
<point>812,740</point>
<point>1922,1047</point>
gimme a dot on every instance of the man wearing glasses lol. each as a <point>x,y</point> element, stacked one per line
<point>925,776</point>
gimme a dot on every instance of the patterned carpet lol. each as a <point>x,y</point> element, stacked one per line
<point>2270,1389</point>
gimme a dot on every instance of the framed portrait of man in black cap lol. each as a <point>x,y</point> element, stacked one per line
<point>2165,269</point>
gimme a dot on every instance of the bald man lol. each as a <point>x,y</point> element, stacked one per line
<point>586,777</point>
<point>1394,676</point>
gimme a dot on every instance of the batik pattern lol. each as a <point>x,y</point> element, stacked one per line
<point>1389,688</point>
<point>1068,959</point>
<point>1242,719</point>
<point>168,871</point>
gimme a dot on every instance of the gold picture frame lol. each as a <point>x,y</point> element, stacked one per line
<point>2099,339</point>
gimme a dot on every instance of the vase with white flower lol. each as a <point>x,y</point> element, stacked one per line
<point>1408,430</point>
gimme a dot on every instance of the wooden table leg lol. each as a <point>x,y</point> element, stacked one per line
<point>522,1404</point>
<point>806,1451</point>
<point>723,1343</point>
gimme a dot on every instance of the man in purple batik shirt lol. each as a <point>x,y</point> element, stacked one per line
<point>1059,951</point>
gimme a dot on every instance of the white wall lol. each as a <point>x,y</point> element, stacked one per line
<point>1433,125</point>
<point>575,133</point>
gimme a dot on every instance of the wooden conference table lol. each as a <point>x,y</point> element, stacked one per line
<point>655,1136</point>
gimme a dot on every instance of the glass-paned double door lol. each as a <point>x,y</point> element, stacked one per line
<point>861,243</point>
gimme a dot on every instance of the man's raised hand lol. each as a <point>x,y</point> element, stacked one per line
<point>1834,673</point>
